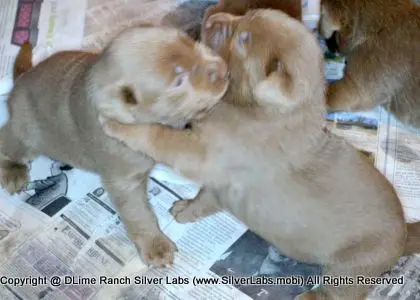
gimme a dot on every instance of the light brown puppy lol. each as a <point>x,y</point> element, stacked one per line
<point>378,37</point>
<point>145,75</point>
<point>191,14</point>
<point>269,162</point>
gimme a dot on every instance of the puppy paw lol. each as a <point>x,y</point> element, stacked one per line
<point>218,30</point>
<point>184,212</point>
<point>8,244</point>
<point>159,251</point>
<point>13,176</point>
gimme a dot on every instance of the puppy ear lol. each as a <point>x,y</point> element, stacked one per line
<point>277,89</point>
<point>128,95</point>
<point>117,102</point>
<point>218,29</point>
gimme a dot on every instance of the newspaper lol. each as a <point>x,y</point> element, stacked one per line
<point>61,238</point>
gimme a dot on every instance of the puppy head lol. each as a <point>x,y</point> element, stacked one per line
<point>337,22</point>
<point>157,75</point>
<point>291,7</point>
<point>273,58</point>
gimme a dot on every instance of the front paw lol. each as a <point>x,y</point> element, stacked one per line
<point>183,212</point>
<point>13,176</point>
<point>158,251</point>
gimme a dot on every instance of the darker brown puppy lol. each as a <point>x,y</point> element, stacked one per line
<point>383,68</point>
<point>190,15</point>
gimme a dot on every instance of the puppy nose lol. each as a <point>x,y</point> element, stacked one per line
<point>218,70</point>
<point>332,43</point>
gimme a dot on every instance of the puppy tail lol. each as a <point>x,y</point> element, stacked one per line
<point>413,239</point>
<point>23,60</point>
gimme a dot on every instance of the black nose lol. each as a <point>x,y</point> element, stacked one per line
<point>332,43</point>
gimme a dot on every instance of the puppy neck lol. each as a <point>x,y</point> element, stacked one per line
<point>96,79</point>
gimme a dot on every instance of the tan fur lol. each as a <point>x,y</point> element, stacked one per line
<point>190,15</point>
<point>413,239</point>
<point>377,37</point>
<point>269,161</point>
<point>146,75</point>
<point>291,7</point>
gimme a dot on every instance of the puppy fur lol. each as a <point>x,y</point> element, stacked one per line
<point>269,161</point>
<point>145,75</point>
<point>378,37</point>
<point>190,15</point>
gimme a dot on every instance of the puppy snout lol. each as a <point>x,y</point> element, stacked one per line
<point>218,71</point>
<point>332,43</point>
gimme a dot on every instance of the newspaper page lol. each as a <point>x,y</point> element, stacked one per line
<point>50,25</point>
<point>62,238</point>
<point>105,18</point>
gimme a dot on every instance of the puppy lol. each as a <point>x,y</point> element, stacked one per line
<point>190,15</point>
<point>382,58</point>
<point>145,75</point>
<point>269,161</point>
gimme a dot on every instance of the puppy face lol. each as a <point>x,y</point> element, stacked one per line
<point>336,23</point>
<point>291,7</point>
<point>158,75</point>
<point>273,58</point>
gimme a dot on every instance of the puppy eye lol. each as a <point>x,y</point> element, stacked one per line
<point>179,70</point>
<point>213,76</point>
<point>179,80</point>
<point>242,41</point>
<point>272,66</point>
<point>243,38</point>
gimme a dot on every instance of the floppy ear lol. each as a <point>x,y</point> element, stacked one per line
<point>277,88</point>
<point>116,101</point>
<point>218,29</point>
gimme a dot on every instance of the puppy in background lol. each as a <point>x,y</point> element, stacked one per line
<point>383,68</point>
<point>191,14</point>
<point>145,75</point>
<point>188,17</point>
<point>264,156</point>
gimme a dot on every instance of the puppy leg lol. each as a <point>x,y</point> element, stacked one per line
<point>358,266</point>
<point>130,197</point>
<point>203,205</point>
<point>181,149</point>
<point>368,81</point>
<point>14,172</point>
